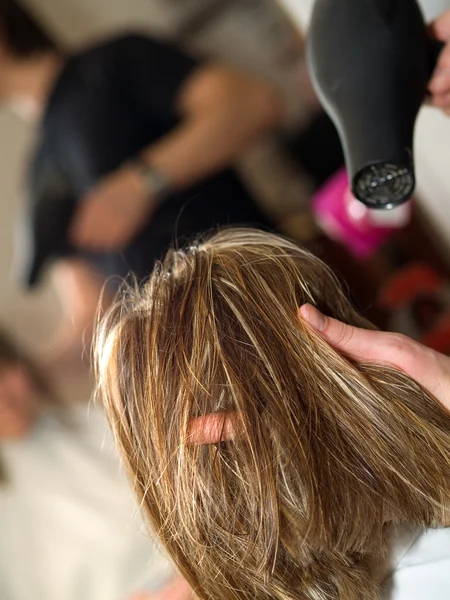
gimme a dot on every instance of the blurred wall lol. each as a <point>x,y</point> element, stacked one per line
<point>32,316</point>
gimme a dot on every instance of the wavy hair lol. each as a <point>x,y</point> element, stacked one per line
<point>297,506</point>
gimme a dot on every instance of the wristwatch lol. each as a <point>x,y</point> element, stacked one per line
<point>157,183</point>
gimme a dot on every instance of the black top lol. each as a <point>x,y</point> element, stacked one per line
<point>109,103</point>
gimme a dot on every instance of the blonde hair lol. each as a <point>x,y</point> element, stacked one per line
<point>296,506</point>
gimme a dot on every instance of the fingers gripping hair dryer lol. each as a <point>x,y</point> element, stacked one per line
<point>370,61</point>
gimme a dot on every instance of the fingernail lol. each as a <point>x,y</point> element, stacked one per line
<point>314,317</point>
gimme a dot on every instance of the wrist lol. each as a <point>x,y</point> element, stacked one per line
<point>153,180</point>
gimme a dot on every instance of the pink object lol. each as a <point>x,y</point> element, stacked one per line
<point>345,219</point>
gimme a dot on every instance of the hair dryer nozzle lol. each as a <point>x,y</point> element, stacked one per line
<point>384,185</point>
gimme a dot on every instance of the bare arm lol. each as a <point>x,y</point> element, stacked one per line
<point>222,111</point>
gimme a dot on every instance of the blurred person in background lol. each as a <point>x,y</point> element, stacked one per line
<point>66,512</point>
<point>135,149</point>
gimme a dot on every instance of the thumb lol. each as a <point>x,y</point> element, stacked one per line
<point>355,342</point>
<point>377,347</point>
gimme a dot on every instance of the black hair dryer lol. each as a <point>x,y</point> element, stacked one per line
<point>370,61</point>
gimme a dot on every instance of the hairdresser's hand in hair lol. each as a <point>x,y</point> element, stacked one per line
<point>439,86</point>
<point>429,368</point>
